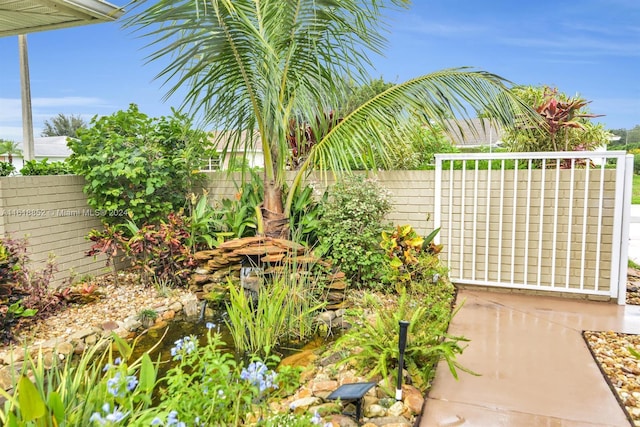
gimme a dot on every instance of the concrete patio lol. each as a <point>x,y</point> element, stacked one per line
<point>535,367</point>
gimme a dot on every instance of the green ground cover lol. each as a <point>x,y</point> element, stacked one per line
<point>635,195</point>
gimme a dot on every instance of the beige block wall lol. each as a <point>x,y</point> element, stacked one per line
<point>51,212</point>
<point>410,192</point>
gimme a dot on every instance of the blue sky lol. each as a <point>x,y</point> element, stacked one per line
<point>588,47</point>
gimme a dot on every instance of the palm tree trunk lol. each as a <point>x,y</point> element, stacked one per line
<point>276,223</point>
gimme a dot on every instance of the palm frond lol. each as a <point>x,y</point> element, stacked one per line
<point>252,65</point>
<point>379,123</point>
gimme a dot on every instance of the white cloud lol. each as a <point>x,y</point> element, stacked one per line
<point>67,101</point>
<point>12,133</point>
<point>44,109</point>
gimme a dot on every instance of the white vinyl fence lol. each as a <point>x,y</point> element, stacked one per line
<point>541,221</point>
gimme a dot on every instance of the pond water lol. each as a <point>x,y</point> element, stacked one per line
<point>166,337</point>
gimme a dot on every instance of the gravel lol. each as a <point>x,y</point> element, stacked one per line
<point>116,302</point>
<point>619,367</point>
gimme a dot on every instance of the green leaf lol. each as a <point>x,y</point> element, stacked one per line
<point>56,406</point>
<point>147,374</point>
<point>124,348</point>
<point>395,263</point>
<point>31,404</point>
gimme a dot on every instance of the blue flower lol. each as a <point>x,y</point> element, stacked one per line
<point>186,345</point>
<point>316,418</point>
<point>156,422</point>
<point>113,385</point>
<point>132,382</point>
<point>96,417</point>
<point>210,325</point>
<point>110,417</point>
<point>258,375</point>
<point>172,420</point>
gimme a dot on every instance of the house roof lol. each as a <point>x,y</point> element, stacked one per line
<point>221,138</point>
<point>51,147</point>
<point>27,16</point>
<point>474,132</point>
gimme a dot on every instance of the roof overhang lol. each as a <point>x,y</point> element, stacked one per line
<point>27,16</point>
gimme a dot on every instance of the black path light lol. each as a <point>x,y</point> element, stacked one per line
<point>402,343</point>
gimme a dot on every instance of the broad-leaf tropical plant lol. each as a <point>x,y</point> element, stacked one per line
<point>258,65</point>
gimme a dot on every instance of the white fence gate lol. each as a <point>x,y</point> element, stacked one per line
<point>542,221</point>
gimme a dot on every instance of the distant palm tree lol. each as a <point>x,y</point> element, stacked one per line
<point>10,148</point>
<point>62,125</point>
<point>261,66</point>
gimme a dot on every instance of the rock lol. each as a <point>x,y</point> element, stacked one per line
<point>65,348</point>
<point>301,405</point>
<point>175,306</point>
<point>109,326</point>
<point>91,339</point>
<point>191,306</point>
<point>11,356</point>
<point>304,358</point>
<point>374,411</point>
<point>331,359</point>
<point>302,393</point>
<point>396,409</point>
<point>326,317</point>
<point>341,420</point>
<point>80,348</point>
<point>391,422</point>
<point>370,400</point>
<point>6,374</point>
<point>49,360</point>
<point>77,336</point>
<point>168,315</point>
<point>413,399</point>
<point>131,324</point>
<point>385,388</point>
<point>324,386</point>
<point>122,333</point>
<point>159,324</point>
<point>200,279</point>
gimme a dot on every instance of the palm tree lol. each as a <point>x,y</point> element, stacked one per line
<point>10,148</point>
<point>262,65</point>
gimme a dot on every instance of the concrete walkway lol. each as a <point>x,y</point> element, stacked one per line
<point>535,368</point>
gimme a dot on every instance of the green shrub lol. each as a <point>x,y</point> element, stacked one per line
<point>6,168</point>
<point>429,315</point>
<point>351,226</point>
<point>43,167</point>
<point>205,387</point>
<point>25,293</point>
<point>137,167</point>
<point>241,216</point>
<point>72,392</point>
<point>159,252</point>
<point>411,260</point>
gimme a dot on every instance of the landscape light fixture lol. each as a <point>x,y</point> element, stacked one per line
<point>402,343</point>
